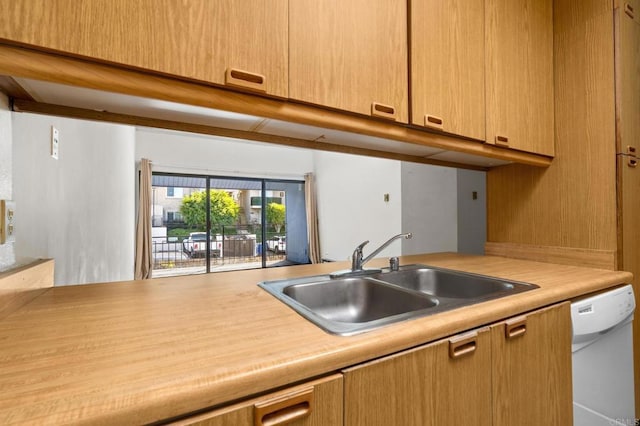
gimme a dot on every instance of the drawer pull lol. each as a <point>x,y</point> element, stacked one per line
<point>383,111</point>
<point>502,140</point>
<point>245,79</point>
<point>633,162</point>
<point>515,327</point>
<point>628,9</point>
<point>460,346</point>
<point>631,150</point>
<point>283,410</point>
<point>433,121</point>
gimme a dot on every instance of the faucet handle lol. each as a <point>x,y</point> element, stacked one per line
<point>394,264</point>
<point>361,246</point>
<point>356,257</point>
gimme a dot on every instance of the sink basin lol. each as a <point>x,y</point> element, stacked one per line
<point>451,284</point>
<point>355,304</point>
<point>356,300</point>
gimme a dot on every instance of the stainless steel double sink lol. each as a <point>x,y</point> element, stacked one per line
<point>355,304</point>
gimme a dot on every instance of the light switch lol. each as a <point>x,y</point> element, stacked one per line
<point>55,142</point>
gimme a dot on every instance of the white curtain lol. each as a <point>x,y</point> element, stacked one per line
<point>312,218</point>
<point>144,259</point>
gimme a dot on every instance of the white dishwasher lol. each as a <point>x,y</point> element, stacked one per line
<point>602,347</point>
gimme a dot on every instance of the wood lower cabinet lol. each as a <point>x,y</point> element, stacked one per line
<point>531,366</point>
<point>350,55</point>
<point>447,66</point>
<point>444,383</point>
<point>519,74</point>
<point>317,403</point>
<point>242,43</point>
<point>515,372</point>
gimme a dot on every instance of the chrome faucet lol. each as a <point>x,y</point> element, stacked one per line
<point>358,262</point>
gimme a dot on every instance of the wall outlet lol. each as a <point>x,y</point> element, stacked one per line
<point>7,222</point>
<point>55,142</point>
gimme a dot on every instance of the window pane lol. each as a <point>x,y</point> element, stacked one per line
<point>184,243</point>
<point>286,225</point>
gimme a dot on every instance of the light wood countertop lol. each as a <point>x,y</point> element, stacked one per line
<point>144,351</point>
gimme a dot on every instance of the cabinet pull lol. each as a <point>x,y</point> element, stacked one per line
<point>245,79</point>
<point>502,140</point>
<point>631,150</point>
<point>383,111</point>
<point>460,346</point>
<point>633,162</point>
<point>433,121</point>
<point>284,409</point>
<point>628,9</point>
<point>515,327</point>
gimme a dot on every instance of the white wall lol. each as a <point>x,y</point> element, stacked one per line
<point>351,206</point>
<point>78,210</point>
<point>429,208</point>
<point>178,152</point>
<point>7,255</point>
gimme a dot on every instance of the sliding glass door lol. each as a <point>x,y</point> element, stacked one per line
<point>210,224</point>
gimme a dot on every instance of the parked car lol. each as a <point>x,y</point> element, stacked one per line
<point>196,245</point>
<point>277,244</point>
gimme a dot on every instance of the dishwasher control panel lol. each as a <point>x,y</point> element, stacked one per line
<point>603,311</point>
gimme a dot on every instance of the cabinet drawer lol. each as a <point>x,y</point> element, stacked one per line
<point>317,403</point>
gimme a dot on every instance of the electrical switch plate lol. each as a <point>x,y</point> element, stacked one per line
<point>3,221</point>
<point>55,142</point>
<point>7,227</point>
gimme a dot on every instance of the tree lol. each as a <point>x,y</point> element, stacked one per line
<point>276,215</point>
<point>224,209</point>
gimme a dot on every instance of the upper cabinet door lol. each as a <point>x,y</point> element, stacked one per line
<point>627,20</point>
<point>236,42</point>
<point>350,55</point>
<point>447,66</point>
<point>519,74</point>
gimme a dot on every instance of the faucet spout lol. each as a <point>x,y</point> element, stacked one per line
<point>358,262</point>
<point>406,236</point>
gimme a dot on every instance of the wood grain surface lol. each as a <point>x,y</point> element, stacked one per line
<point>347,55</point>
<point>196,39</point>
<point>143,351</point>
<point>422,387</point>
<point>519,73</point>
<point>21,62</point>
<point>20,285</point>
<point>447,65</point>
<point>532,387</point>
<point>573,202</point>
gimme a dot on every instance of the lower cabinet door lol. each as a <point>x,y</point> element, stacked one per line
<point>317,403</point>
<point>532,369</point>
<point>444,383</point>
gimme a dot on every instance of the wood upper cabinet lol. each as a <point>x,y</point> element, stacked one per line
<point>350,55</point>
<point>519,74</point>
<point>531,364</point>
<point>447,66</point>
<point>317,403</point>
<point>444,383</point>
<point>627,19</point>
<point>237,42</point>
